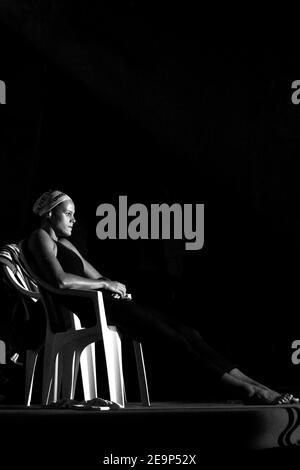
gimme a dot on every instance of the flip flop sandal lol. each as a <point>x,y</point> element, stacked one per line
<point>61,405</point>
<point>95,404</point>
<point>285,399</point>
<point>100,402</point>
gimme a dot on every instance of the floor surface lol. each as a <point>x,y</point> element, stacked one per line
<point>166,433</point>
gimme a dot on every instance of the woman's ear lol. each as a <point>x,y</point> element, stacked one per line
<point>49,215</point>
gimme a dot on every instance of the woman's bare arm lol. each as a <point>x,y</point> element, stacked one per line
<point>43,249</point>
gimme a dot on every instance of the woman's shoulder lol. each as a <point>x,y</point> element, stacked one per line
<point>40,237</point>
<point>39,234</point>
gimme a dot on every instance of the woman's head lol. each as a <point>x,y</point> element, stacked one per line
<point>48,200</point>
<point>56,210</point>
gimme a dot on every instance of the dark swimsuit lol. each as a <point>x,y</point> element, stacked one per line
<point>145,324</point>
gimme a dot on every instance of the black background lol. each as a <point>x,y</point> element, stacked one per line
<point>153,103</point>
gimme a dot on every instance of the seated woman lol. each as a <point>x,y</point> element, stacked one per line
<point>60,263</point>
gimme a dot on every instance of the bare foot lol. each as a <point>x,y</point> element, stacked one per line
<point>260,394</point>
<point>255,394</point>
<point>241,376</point>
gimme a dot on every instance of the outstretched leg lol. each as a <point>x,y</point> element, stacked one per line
<point>145,324</point>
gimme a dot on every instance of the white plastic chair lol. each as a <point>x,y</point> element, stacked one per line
<point>28,292</point>
<point>64,348</point>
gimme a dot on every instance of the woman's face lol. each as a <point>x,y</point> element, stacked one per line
<point>62,218</point>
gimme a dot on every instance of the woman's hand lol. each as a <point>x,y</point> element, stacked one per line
<point>116,287</point>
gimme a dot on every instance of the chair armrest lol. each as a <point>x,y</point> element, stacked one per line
<point>93,294</point>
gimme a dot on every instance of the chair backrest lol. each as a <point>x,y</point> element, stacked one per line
<point>16,273</point>
<point>19,280</point>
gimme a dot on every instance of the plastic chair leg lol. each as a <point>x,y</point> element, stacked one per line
<point>88,372</point>
<point>54,381</point>
<point>31,359</point>
<point>68,364</point>
<point>140,364</point>
<point>76,364</point>
<point>66,373</point>
<point>87,366</point>
<point>113,356</point>
<point>50,373</point>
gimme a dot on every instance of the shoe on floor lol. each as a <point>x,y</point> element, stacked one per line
<point>101,402</point>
